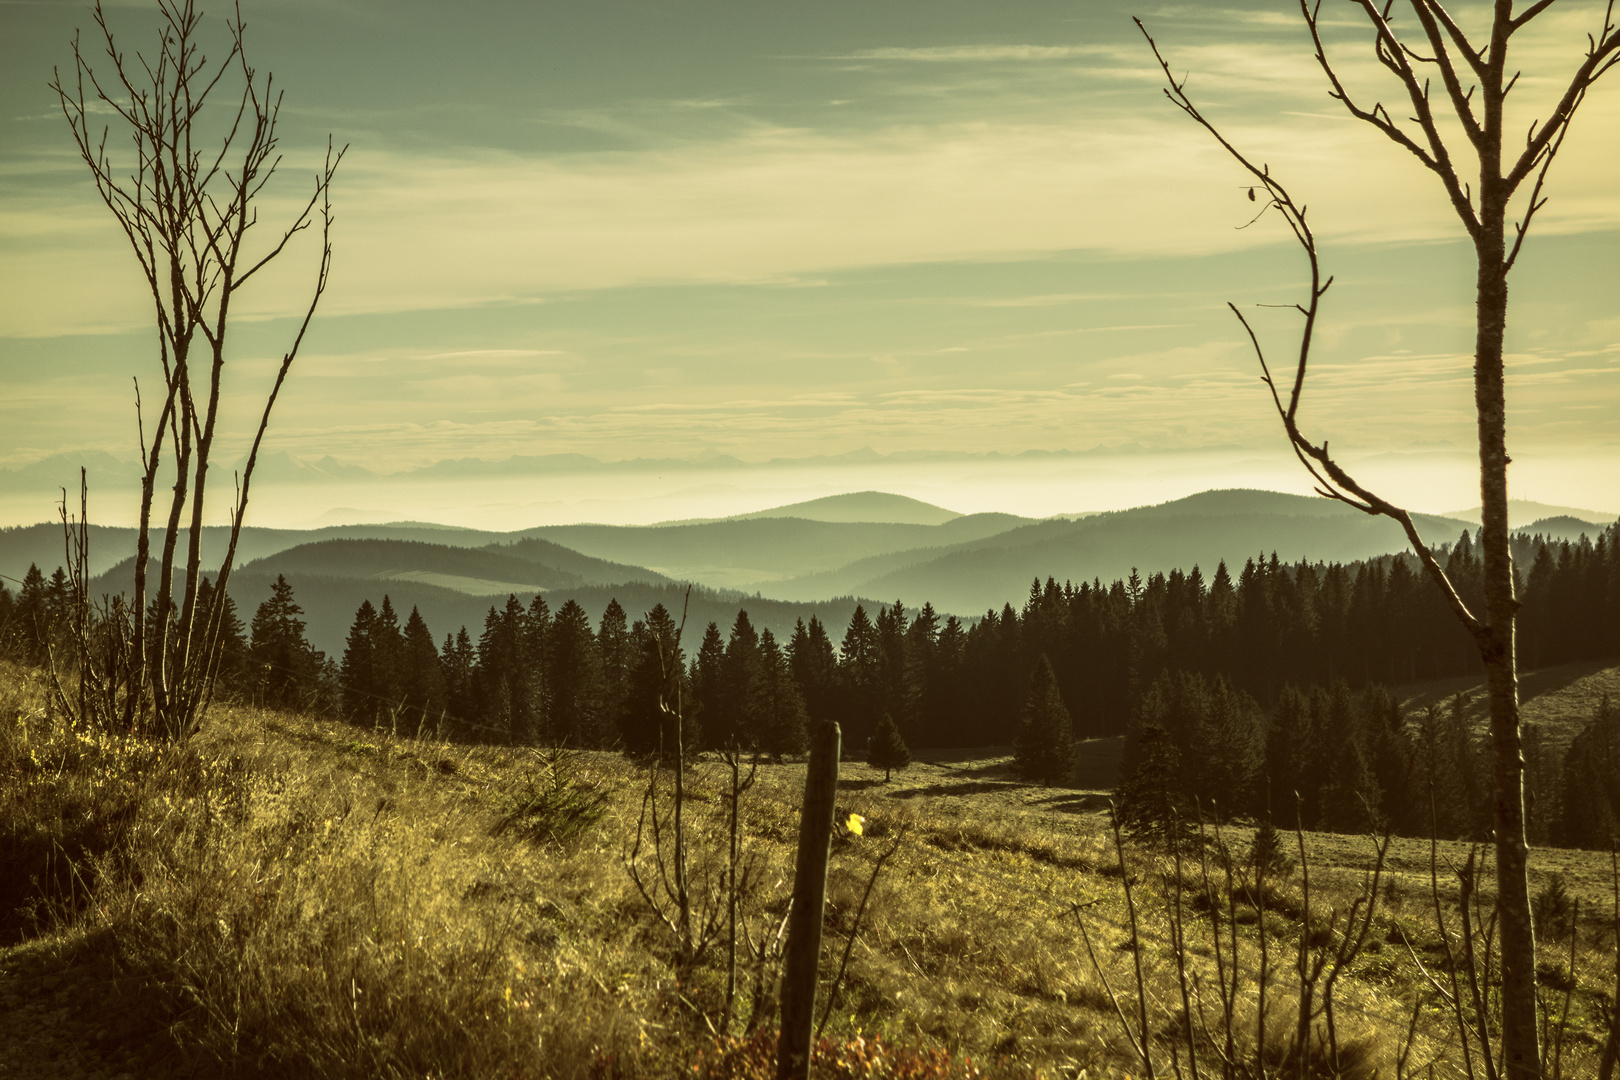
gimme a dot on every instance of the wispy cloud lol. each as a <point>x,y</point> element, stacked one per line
<point>982,53</point>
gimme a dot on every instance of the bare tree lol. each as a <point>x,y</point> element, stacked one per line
<point>1500,186</point>
<point>186,197</point>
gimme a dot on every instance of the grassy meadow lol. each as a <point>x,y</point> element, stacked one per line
<point>289,896</point>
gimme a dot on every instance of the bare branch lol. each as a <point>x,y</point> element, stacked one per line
<point>1448,71</point>
<point>1332,481</point>
<point>1436,158</point>
<point>1601,56</point>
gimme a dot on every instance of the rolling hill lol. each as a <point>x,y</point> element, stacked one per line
<point>747,553</point>
<point>1564,527</point>
<point>419,575</point>
<point>1204,529</point>
<point>875,506</point>
<point>1521,511</point>
<point>330,603</point>
<point>111,545</point>
<point>532,565</point>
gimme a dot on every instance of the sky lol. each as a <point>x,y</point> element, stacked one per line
<point>966,237</point>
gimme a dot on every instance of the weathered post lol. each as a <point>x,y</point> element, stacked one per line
<point>809,899</point>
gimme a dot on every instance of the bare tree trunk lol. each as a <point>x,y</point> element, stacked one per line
<point>1519,1030</point>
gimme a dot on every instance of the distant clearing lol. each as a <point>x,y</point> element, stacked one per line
<point>469,585</point>
<point>1561,700</point>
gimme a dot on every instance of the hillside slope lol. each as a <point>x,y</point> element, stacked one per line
<point>1199,530</point>
<point>747,553</point>
<point>878,506</point>
<point>486,571</point>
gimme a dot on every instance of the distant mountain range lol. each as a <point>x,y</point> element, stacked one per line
<point>1521,511</point>
<point>751,552</point>
<point>871,506</point>
<point>781,565</point>
<point>414,575</point>
<point>1201,530</point>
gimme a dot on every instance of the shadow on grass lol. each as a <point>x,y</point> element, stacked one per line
<point>1532,684</point>
<point>133,1014</point>
<point>967,788</point>
<point>1076,802</point>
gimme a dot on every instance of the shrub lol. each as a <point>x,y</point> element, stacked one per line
<point>557,802</point>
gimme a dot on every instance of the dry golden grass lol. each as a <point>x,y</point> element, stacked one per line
<point>295,897</point>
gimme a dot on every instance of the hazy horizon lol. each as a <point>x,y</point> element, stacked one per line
<point>1033,486</point>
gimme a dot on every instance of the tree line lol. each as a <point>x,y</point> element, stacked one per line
<point>1267,682</point>
<point>1337,760</point>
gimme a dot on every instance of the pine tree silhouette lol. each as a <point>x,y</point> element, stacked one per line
<point>288,668</point>
<point>1044,749</point>
<point>786,728</point>
<point>1150,804</point>
<point>422,685</point>
<point>361,679</point>
<point>887,750</point>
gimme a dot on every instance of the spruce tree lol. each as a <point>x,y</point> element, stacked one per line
<point>575,677</point>
<point>1044,748</point>
<point>534,644</point>
<point>505,676</point>
<point>1150,805</point>
<point>1350,800</point>
<point>922,667</point>
<point>33,618</point>
<point>8,614</point>
<point>708,682</point>
<point>288,670</point>
<point>389,660</point>
<point>786,727</point>
<point>361,701</point>
<point>891,627</point>
<point>815,668</point>
<point>945,691</point>
<point>1267,855</point>
<point>1439,806</point>
<point>231,663</point>
<point>1590,816</point>
<point>1228,749</point>
<point>458,660</point>
<point>859,678</point>
<point>422,684</point>
<point>1288,743</point>
<point>613,645</point>
<point>742,685</point>
<point>887,750</point>
<point>654,673</point>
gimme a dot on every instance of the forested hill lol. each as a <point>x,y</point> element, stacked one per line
<point>726,553</point>
<point>329,605</point>
<point>110,545</point>
<point>879,506</point>
<point>1200,530</point>
<point>457,587</point>
<point>523,567</point>
<point>749,553</point>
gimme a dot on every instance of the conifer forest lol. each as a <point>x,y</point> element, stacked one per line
<point>1270,683</point>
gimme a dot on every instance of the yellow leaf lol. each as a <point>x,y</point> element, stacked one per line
<point>855,823</point>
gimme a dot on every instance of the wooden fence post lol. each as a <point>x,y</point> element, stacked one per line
<point>809,901</point>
